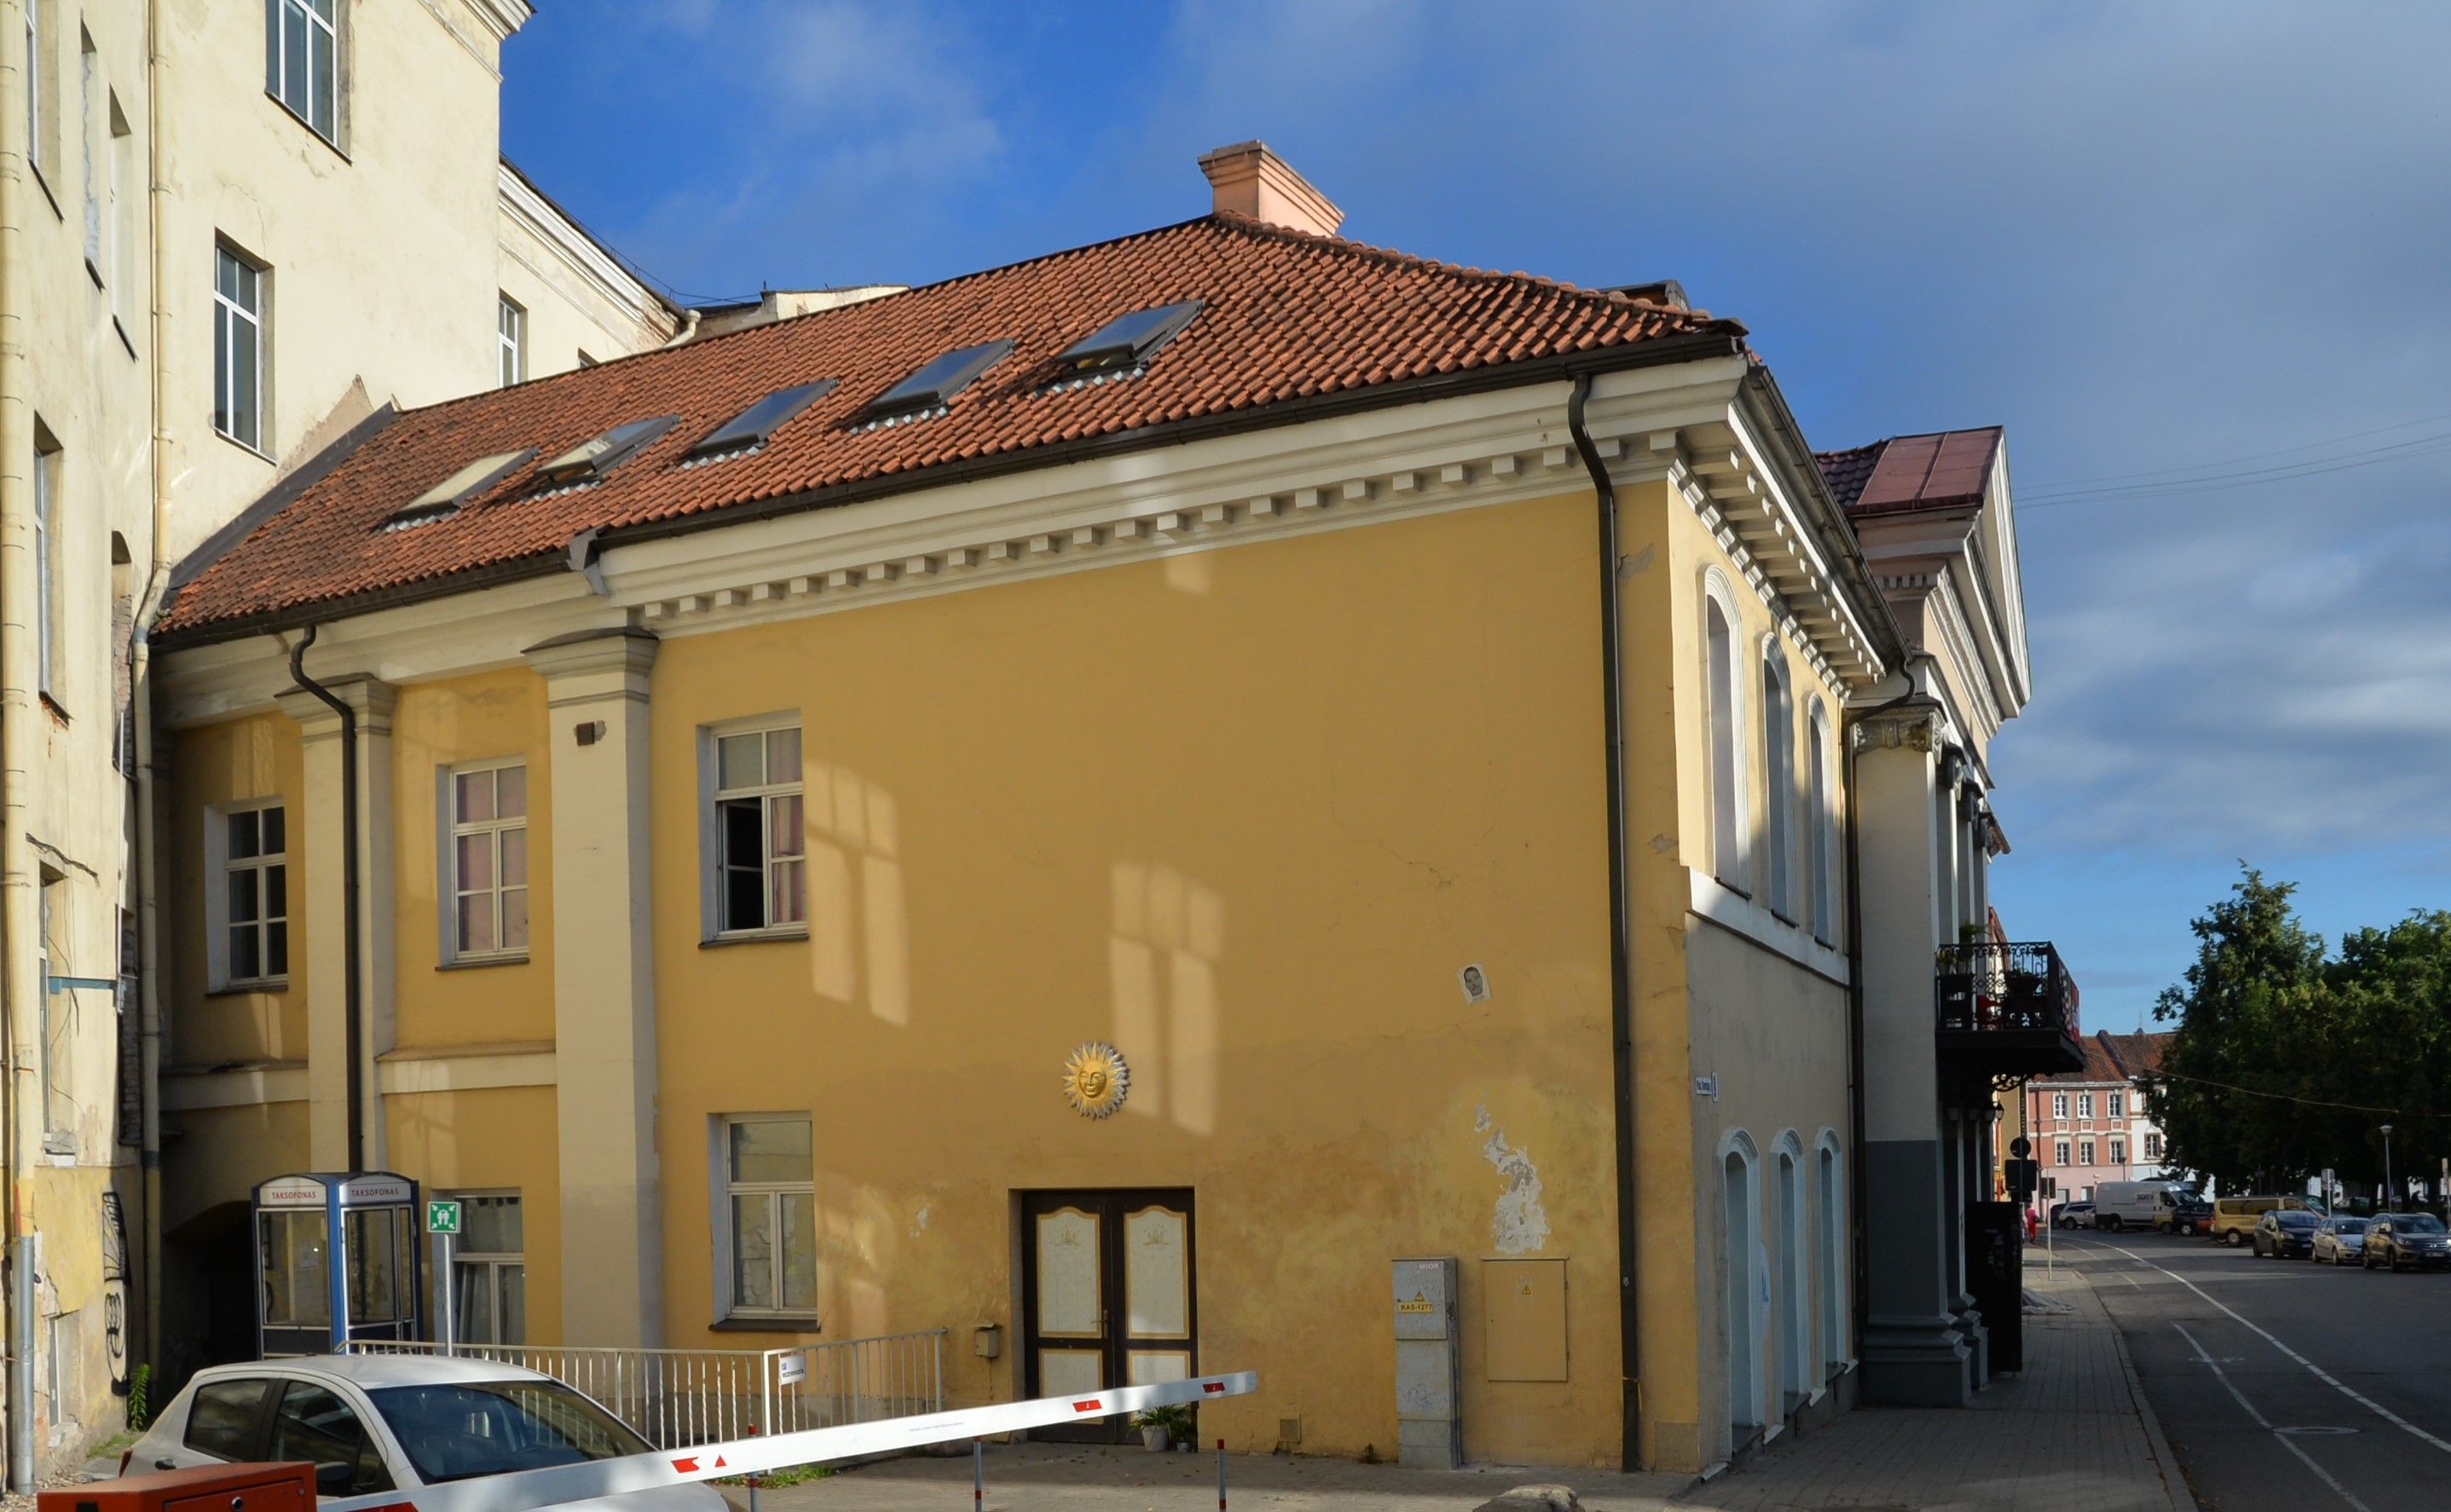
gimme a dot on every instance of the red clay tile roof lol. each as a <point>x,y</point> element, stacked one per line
<point>2113,1058</point>
<point>1288,315</point>
<point>1944,469</point>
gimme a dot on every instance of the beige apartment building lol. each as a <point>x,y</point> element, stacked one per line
<point>229,233</point>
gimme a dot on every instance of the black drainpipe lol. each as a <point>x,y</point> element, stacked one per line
<point>1621,952</point>
<point>1859,1241</point>
<point>352,994</point>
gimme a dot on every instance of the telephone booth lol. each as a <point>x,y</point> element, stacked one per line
<point>336,1260</point>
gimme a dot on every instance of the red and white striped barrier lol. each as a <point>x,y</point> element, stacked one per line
<point>529,1489</point>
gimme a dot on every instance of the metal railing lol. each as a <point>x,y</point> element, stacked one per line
<point>676,1397</point>
<point>1997,988</point>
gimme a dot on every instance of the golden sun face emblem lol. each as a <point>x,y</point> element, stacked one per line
<point>1096,1079</point>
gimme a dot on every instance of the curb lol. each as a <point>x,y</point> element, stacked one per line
<point>2174,1484</point>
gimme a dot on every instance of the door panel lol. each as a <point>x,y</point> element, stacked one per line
<point>1107,1295</point>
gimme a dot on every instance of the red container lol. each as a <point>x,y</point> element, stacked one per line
<point>205,1488</point>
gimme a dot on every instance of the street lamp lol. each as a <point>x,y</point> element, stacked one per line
<point>2386,1171</point>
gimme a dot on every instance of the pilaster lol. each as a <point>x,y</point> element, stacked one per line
<point>320,838</point>
<point>604,986</point>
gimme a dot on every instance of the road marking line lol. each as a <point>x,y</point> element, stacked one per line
<point>2319,1374</point>
<point>2264,1423</point>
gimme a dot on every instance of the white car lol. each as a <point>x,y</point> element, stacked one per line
<point>374,1423</point>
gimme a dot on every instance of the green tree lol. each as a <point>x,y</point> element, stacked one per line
<point>2250,1003</point>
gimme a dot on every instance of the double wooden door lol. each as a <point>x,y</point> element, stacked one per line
<point>1108,1294</point>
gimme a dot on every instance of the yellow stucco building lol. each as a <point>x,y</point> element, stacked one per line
<point>1140,790</point>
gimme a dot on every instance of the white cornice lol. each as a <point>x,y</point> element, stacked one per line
<point>580,256</point>
<point>502,17</point>
<point>1460,452</point>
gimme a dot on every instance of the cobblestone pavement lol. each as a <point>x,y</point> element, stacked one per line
<point>2072,1434</point>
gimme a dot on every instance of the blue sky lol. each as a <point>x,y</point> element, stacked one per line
<point>2157,242</point>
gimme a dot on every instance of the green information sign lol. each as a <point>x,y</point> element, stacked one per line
<point>442,1217</point>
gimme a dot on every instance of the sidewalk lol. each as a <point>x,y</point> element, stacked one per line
<point>2072,1434</point>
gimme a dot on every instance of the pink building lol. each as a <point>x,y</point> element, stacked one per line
<point>2090,1126</point>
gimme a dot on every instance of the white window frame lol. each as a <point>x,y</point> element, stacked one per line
<point>452,828</point>
<point>88,89</point>
<point>2059,1106</point>
<point>493,1262</point>
<point>725,1188</point>
<point>2085,1105</point>
<point>2086,1150</point>
<point>219,865</point>
<point>1778,783</point>
<point>46,598</point>
<point>323,33</point>
<point>712,861</point>
<point>2118,1149</point>
<point>2152,1145</point>
<point>2060,1148</point>
<point>2114,1105</point>
<point>511,336</point>
<point>120,226</point>
<point>1724,743</point>
<point>34,84</point>
<point>237,327</point>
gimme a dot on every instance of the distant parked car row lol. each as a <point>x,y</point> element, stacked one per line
<point>2396,1241</point>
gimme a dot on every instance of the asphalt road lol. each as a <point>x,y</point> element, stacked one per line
<point>2283,1383</point>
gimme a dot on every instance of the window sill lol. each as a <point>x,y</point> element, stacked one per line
<point>53,705</point>
<point>45,184</point>
<point>477,962</point>
<point>253,451</point>
<point>759,937</point>
<point>249,989</point>
<point>312,130</point>
<point>93,273</point>
<point>125,339</point>
<point>738,1325</point>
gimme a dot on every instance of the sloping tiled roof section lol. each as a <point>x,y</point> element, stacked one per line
<point>2113,1058</point>
<point>1847,472</point>
<point>1288,315</point>
<point>1944,469</point>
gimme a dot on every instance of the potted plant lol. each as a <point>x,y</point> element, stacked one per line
<point>1162,1428</point>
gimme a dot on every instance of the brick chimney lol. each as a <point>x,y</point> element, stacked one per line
<point>1250,179</point>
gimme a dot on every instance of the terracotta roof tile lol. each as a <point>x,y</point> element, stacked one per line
<point>2113,1058</point>
<point>1285,315</point>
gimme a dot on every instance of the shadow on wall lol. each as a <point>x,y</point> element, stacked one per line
<point>1169,938</point>
<point>859,934</point>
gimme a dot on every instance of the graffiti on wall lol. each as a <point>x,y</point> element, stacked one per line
<point>114,1290</point>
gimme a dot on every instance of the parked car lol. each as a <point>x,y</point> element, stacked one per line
<point>374,1423</point>
<point>2338,1241</point>
<point>2286,1233</point>
<point>2072,1216</point>
<point>2135,1205</point>
<point>2407,1241</point>
<point>2195,1215</point>
<point>2234,1218</point>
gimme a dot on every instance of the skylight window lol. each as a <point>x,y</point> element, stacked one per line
<point>750,428</point>
<point>927,391</point>
<point>444,499</point>
<point>1127,340</point>
<point>590,460</point>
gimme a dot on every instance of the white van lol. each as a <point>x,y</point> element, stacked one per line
<point>2136,1205</point>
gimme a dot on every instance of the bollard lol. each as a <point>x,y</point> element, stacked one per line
<point>1221,1475</point>
<point>979,1475</point>
<point>755,1479</point>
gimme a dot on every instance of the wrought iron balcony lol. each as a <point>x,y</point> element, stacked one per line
<point>2007,1009</point>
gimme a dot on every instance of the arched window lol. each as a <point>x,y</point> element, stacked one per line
<point>1742,1290</point>
<point>1821,821</point>
<point>1793,1277</point>
<point>1778,780</point>
<point>1727,759</point>
<point>1832,1255</point>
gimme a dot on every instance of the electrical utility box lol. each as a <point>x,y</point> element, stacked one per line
<point>1429,1365</point>
<point>200,1488</point>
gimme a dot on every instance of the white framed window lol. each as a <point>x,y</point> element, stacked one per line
<point>755,847</point>
<point>1722,688</point>
<point>301,61</point>
<point>2085,1105</point>
<point>1778,782</point>
<point>2060,1152</point>
<point>2085,1152</point>
<point>2152,1147</point>
<point>511,334</point>
<point>47,564</point>
<point>2059,1108</point>
<point>485,860</point>
<point>489,1270</point>
<point>56,1027</point>
<point>124,195</point>
<point>88,133</point>
<point>2118,1152</point>
<point>766,1230</point>
<point>2115,1104</point>
<point>1822,819</point>
<point>249,910</point>
<point>238,348</point>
